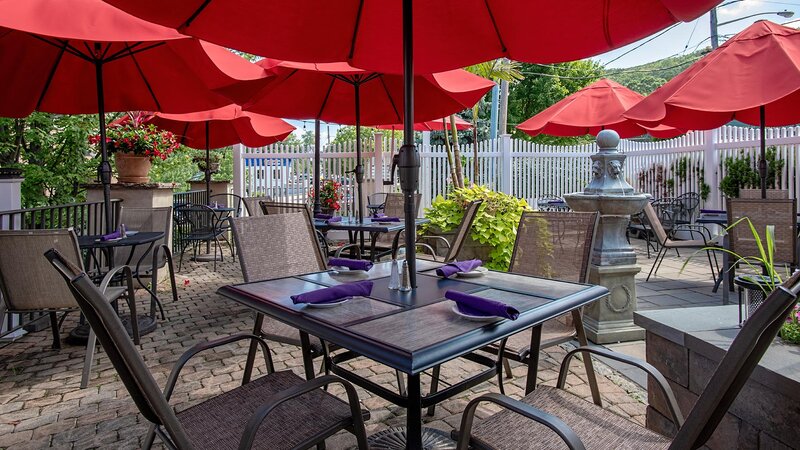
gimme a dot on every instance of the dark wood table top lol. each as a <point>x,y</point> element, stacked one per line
<point>413,331</point>
<point>367,225</point>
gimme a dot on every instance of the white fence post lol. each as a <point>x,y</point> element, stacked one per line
<point>378,162</point>
<point>238,171</point>
<point>711,168</point>
<point>505,164</point>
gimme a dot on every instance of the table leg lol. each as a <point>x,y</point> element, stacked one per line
<point>308,360</point>
<point>251,353</point>
<point>414,413</point>
<point>533,359</point>
<point>725,273</point>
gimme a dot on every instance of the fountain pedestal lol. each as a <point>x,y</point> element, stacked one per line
<point>613,259</point>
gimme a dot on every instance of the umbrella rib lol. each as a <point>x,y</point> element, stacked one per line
<point>494,24</point>
<point>606,31</point>
<point>194,15</point>
<point>325,100</point>
<point>51,75</point>
<point>64,46</point>
<point>144,78</point>
<point>391,100</point>
<point>355,30</point>
<point>131,50</point>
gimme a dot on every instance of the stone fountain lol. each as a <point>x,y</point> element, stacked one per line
<point>613,262</point>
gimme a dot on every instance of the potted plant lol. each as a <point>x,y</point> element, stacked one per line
<point>329,195</point>
<point>214,159</point>
<point>135,145</point>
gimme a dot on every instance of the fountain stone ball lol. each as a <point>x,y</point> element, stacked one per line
<point>609,193</point>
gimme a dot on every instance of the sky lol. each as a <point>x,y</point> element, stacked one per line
<point>687,37</point>
<point>683,38</point>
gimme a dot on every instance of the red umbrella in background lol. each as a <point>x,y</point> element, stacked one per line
<point>754,77</point>
<point>430,125</point>
<point>369,34</point>
<point>340,93</point>
<point>85,56</point>
<point>222,127</point>
<point>598,106</point>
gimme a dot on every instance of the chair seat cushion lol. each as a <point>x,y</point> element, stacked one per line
<point>598,428</point>
<point>218,423</point>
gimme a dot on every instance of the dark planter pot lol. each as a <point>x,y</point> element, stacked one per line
<point>751,294</point>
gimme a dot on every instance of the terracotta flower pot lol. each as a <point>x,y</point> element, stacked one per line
<point>133,168</point>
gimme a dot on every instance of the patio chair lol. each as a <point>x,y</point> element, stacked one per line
<point>231,201</point>
<point>780,213</point>
<point>460,236</point>
<point>685,207</point>
<point>376,202</point>
<point>550,417</point>
<point>276,246</point>
<point>394,207</point>
<point>270,207</point>
<point>29,284</point>
<point>149,219</point>
<point>701,239</point>
<point>278,410</point>
<point>251,205</point>
<point>198,224</point>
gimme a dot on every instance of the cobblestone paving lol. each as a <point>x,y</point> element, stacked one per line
<point>41,404</point>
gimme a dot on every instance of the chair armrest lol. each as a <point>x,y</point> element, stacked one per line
<point>109,277</point>
<point>550,421</point>
<point>203,346</point>
<point>341,249</point>
<point>253,424</point>
<point>672,404</point>
<point>441,238</point>
<point>693,228</point>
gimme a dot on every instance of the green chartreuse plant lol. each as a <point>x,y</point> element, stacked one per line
<point>495,223</point>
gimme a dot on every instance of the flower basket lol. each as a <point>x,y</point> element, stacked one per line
<point>133,168</point>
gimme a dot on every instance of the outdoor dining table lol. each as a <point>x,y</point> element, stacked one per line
<point>93,244</point>
<point>373,226</point>
<point>412,331</point>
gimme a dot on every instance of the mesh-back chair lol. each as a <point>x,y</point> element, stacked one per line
<point>252,206</point>
<point>376,202</point>
<point>232,201</point>
<point>275,246</point>
<point>550,417</point>
<point>394,207</point>
<point>199,224</point>
<point>29,284</point>
<point>780,213</point>
<point>278,410</point>
<point>145,260</point>
<point>461,233</point>
<point>701,239</point>
<point>685,207</point>
<point>270,207</point>
<point>772,194</point>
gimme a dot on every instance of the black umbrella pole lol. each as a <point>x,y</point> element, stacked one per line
<point>317,205</point>
<point>208,167</point>
<point>762,163</point>
<point>104,170</point>
<point>408,163</point>
<point>359,168</point>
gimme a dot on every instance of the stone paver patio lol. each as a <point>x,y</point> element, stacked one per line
<point>42,406</point>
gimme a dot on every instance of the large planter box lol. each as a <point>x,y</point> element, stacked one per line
<point>470,250</point>
<point>686,345</point>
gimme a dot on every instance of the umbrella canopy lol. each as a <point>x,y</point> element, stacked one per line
<point>754,77</point>
<point>84,56</point>
<point>598,106</point>
<point>222,127</point>
<point>369,34</point>
<point>430,125</point>
<point>329,93</point>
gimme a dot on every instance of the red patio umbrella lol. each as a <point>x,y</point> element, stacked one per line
<point>85,56</point>
<point>369,34</point>
<point>430,125</point>
<point>340,93</point>
<point>222,127</point>
<point>598,106</point>
<point>754,77</point>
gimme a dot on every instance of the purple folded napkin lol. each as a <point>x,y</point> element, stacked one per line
<point>322,216</point>
<point>386,219</point>
<point>335,293</point>
<point>352,264</point>
<point>479,306</point>
<point>458,266</point>
<point>334,219</point>
<point>378,215</point>
<point>713,211</point>
<point>110,236</point>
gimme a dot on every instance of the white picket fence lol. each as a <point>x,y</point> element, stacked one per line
<point>521,168</point>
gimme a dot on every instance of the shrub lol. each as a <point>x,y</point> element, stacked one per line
<point>495,224</point>
<point>790,331</point>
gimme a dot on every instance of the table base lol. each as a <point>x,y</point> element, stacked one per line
<point>80,335</point>
<point>206,258</point>
<point>394,438</point>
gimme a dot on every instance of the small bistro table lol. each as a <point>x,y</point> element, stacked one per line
<point>414,331</point>
<point>374,227</point>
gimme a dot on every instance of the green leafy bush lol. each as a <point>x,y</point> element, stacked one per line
<point>742,174</point>
<point>495,224</point>
<point>790,331</point>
